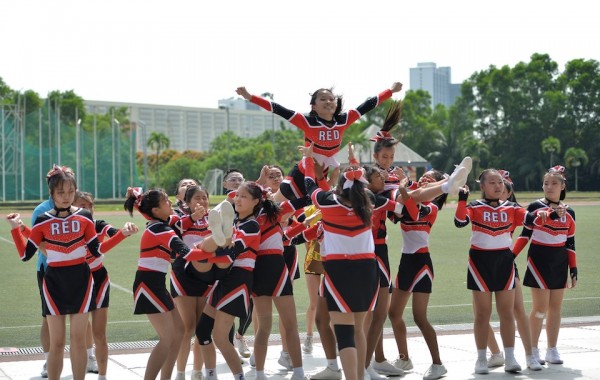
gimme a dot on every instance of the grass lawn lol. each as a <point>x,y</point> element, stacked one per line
<point>450,301</point>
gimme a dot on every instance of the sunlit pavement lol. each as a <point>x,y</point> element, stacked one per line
<point>579,346</point>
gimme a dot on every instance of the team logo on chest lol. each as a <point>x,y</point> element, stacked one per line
<point>495,216</point>
<point>65,227</point>
<point>332,135</point>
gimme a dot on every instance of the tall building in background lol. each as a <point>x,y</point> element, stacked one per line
<point>190,128</point>
<point>435,80</point>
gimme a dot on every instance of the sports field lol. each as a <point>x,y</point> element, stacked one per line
<point>20,314</point>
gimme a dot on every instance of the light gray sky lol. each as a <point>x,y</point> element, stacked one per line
<point>194,52</point>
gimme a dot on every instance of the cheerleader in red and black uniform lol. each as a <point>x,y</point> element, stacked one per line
<point>104,230</point>
<point>351,283</point>
<point>550,257</point>
<point>491,262</point>
<point>158,245</point>
<point>383,203</point>
<point>67,233</point>
<point>188,287</point>
<point>415,278</point>
<point>323,127</point>
<point>230,296</point>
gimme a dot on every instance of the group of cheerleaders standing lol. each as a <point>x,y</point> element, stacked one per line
<point>239,258</point>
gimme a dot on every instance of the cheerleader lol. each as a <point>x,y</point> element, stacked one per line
<point>491,262</point>
<point>101,291</point>
<point>323,127</point>
<point>496,359</point>
<point>188,289</point>
<point>230,296</point>
<point>158,245</point>
<point>350,255</point>
<point>66,232</point>
<point>415,279</point>
<point>551,262</point>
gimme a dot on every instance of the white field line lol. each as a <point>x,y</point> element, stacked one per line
<point>274,314</point>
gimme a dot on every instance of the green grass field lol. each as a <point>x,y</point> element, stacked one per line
<point>450,302</point>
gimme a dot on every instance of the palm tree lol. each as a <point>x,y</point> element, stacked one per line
<point>551,145</point>
<point>574,158</point>
<point>158,141</point>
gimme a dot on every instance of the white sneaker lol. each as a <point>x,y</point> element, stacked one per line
<point>92,364</point>
<point>496,360</point>
<point>227,216</point>
<point>285,361</point>
<point>435,371</point>
<point>532,363</point>
<point>307,347</point>
<point>386,368</point>
<point>552,356</point>
<point>457,179</point>
<point>294,377</point>
<point>240,344</point>
<point>44,373</point>
<point>261,376</point>
<point>372,374</point>
<point>405,365</point>
<point>252,360</point>
<point>327,374</point>
<point>466,163</point>
<point>180,376</point>
<point>511,365</point>
<point>481,367</point>
<point>535,352</point>
<point>197,375</point>
<point>215,225</point>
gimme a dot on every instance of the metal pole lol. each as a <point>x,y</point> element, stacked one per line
<point>3,161</point>
<point>77,150</point>
<point>119,174</point>
<point>144,152</point>
<point>40,150</point>
<point>112,128</point>
<point>58,131</point>
<point>131,151</point>
<point>23,123</point>
<point>95,157</point>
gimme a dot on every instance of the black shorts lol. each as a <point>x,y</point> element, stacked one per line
<point>231,294</point>
<point>415,273</point>
<point>491,271</point>
<point>184,283</point>
<point>101,287</point>
<point>290,255</point>
<point>383,265</point>
<point>271,277</point>
<point>68,290</point>
<point>342,288</point>
<point>150,294</point>
<point>547,267</point>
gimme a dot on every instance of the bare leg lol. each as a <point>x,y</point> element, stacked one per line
<point>482,310</point>
<point>420,301</point>
<point>287,313</point>
<point>99,323</point>
<point>375,328</point>
<point>263,307</point>
<point>399,300</point>
<point>168,343</point>
<point>312,286</point>
<point>223,323</point>
<point>326,334</point>
<point>554,316</point>
<point>188,311</point>
<point>78,351</point>
<point>57,333</point>
<point>505,302</point>
<point>522,318</point>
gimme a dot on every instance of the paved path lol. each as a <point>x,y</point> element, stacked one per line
<point>579,346</point>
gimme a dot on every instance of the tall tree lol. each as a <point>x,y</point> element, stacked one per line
<point>551,145</point>
<point>158,141</point>
<point>574,158</point>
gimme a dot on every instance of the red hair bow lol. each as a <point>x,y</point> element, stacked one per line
<point>353,175</point>
<point>382,135</point>
<point>558,169</point>
<point>505,175</point>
